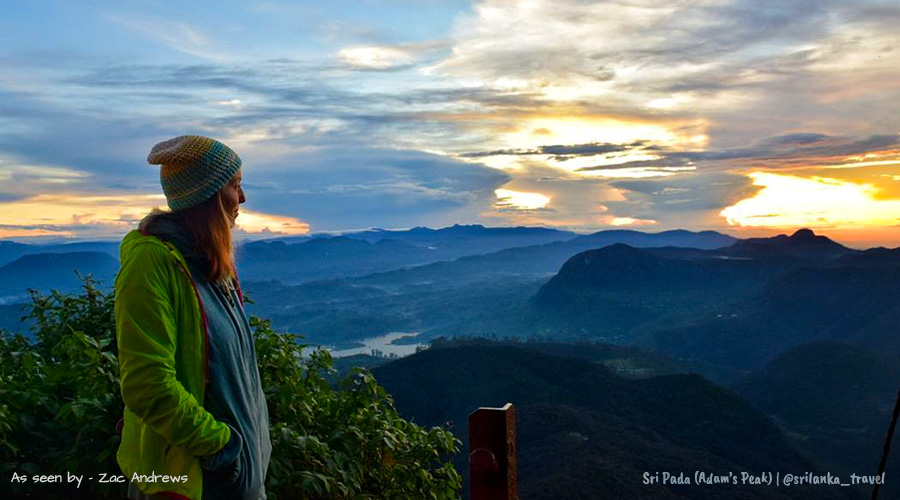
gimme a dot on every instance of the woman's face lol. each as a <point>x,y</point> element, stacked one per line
<point>233,196</point>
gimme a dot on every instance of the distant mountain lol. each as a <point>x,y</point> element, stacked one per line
<point>10,250</point>
<point>834,400</point>
<point>621,267</point>
<point>540,260</point>
<point>611,292</point>
<point>362,253</point>
<point>705,240</point>
<point>467,237</point>
<point>55,270</point>
<point>457,235</point>
<point>803,243</point>
<point>321,258</point>
<point>584,432</point>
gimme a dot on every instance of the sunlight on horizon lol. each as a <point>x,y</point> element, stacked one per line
<point>256,222</point>
<point>789,201</point>
<point>630,221</point>
<point>111,216</point>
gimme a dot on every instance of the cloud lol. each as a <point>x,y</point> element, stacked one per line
<point>14,172</point>
<point>34,233</point>
<point>88,215</point>
<point>256,223</point>
<point>517,200</point>
<point>695,192</point>
<point>360,186</point>
<point>392,57</point>
<point>51,148</point>
<point>752,68</point>
<point>369,58</point>
<point>171,33</point>
<point>575,202</point>
<point>796,150</point>
<point>564,152</point>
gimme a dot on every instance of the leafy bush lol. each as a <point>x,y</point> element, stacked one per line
<point>59,394</point>
<point>60,401</point>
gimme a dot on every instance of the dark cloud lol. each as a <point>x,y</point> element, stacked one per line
<point>799,138</point>
<point>791,150</point>
<point>283,83</point>
<point>6,197</point>
<point>565,152</point>
<point>109,149</point>
<point>690,201</point>
<point>782,150</point>
<point>508,208</point>
<point>360,186</point>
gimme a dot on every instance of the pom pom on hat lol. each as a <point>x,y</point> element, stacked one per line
<point>194,168</point>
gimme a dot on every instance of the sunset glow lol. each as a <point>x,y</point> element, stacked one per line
<point>254,222</point>
<point>53,215</point>
<point>576,130</point>
<point>66,209</point>
<point>516,199</point>
<point>787,201</point>
<point>628,221</point>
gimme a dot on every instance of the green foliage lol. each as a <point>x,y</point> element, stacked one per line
<point>59,395</point>
<point>346,443</point>
<point>60,401</point>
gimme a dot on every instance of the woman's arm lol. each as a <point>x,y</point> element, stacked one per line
<point>146,332</point>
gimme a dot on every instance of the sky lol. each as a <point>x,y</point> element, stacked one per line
<point>746,117</point>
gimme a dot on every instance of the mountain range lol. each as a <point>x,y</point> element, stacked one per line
<point>43,271</point>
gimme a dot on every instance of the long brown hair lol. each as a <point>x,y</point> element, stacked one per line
<point>209,226</point>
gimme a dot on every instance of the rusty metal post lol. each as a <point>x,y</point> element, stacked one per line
<point>492,459</point>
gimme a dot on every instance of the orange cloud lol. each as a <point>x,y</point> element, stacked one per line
<point>74,214</point>
<point>258,222</point>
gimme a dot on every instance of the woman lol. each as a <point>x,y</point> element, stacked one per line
<point>196,423</point>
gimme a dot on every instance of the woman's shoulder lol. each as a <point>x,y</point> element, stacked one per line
<point>138,243</point>
<point>141,253</point>
<point>147,261</point>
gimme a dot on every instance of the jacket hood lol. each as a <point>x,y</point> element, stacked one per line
<point>167,229</point>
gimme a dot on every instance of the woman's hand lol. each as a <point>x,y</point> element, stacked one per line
<point>225,465</point>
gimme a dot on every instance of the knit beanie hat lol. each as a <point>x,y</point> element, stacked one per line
<point>194,168</point>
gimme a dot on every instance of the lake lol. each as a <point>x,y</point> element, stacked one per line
<point>383,343</point>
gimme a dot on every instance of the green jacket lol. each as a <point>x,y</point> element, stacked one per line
<point>164,368</point>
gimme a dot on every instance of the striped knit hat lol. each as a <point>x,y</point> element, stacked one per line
<point>194,168</point>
